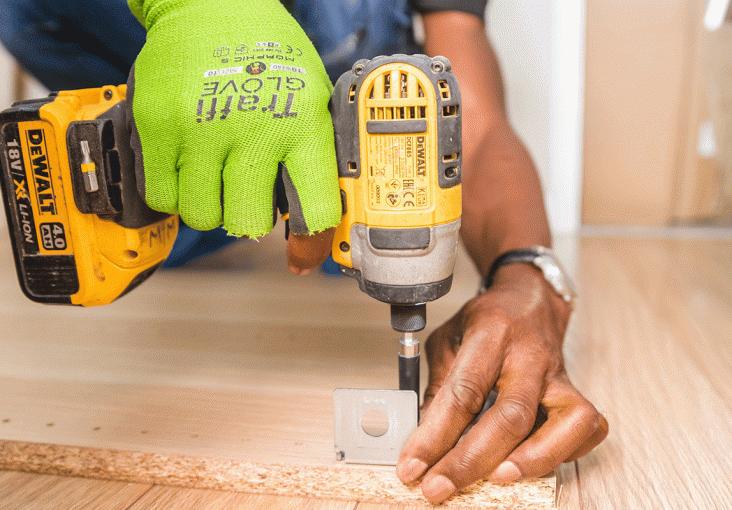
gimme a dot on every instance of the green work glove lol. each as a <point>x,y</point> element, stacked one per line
<point>221,94</point>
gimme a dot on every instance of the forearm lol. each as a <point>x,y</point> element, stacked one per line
<point>503,207</point>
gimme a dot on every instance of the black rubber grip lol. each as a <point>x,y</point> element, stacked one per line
<point>409,374</point>
<point>408,318</point>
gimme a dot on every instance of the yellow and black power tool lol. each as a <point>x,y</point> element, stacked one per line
<point>80,231</point>
<point>398,139</point>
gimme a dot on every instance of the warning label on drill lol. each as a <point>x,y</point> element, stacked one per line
<point>398,173</point>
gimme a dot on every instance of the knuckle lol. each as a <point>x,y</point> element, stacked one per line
<point>588,415</point>
<point>603,425</point>
<point>486,311</point>
<point>500,318</point>
<point>469,465</point>
<point>544,461</point>
<point>467,395</point>
<point>472,309</point>
<point>515,417</point>
<point>586,421</point>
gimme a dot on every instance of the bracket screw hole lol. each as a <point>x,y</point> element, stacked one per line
<point>375,421</point>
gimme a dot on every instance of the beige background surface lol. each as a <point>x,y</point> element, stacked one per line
<point>654,77</point>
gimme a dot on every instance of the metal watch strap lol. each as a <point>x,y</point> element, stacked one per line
<point>526,256</point>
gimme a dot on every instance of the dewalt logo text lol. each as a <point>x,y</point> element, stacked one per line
<point>41,172</point>
<point>421,157</point>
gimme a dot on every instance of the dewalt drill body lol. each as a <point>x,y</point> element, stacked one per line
<point>398,139</point>
<point>81,234</point>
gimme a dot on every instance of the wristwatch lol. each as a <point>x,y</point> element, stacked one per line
<point>546,261</point>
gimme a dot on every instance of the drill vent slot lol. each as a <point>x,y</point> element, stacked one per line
<point>115,168</point>
<point>445,91</point>
<point>450,158</point>
<point>449,111</point>
<point>398,113</point>
<point>396,85</point>
<point>108,140</point>
<point>352,167</point>
<point>352,94</point>
<point>389,108</point>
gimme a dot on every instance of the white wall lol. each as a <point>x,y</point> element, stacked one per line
<point>540,44</point>
<point>7,77</point>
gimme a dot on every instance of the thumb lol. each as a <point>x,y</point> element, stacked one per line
<point>306,252</point>
<point>310,179</point>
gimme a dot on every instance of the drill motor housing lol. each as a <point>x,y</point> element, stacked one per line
<point>398,141</point>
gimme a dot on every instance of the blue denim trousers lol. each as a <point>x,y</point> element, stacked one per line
<point>71,44</point>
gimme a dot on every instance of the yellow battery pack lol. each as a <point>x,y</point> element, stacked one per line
<point>80,231</point>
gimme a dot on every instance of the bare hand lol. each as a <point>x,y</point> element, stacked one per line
<point>509,338</point>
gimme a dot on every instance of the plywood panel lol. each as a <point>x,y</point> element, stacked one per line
<point>637,67</point>
<point>208,378</point>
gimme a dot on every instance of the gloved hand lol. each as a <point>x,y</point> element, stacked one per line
<point>221,94</point>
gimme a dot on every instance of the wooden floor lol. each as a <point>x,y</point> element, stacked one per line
<point>651,345</point>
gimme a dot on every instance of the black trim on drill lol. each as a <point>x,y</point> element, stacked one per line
<point>25,111</point>
<point>400,294</point>
<point>407,294</point>
<point>50,279</point>
<point>409,318</point>
<point>139,279</point>
<point>391,127</point>
<point>400,238</point>
<point>118,198</point>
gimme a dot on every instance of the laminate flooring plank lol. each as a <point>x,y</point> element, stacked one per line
<point>568,487</point>
<point>689,289</point>
<point>167,498</point>
<point>635,353</point>
<point>23,491</point>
